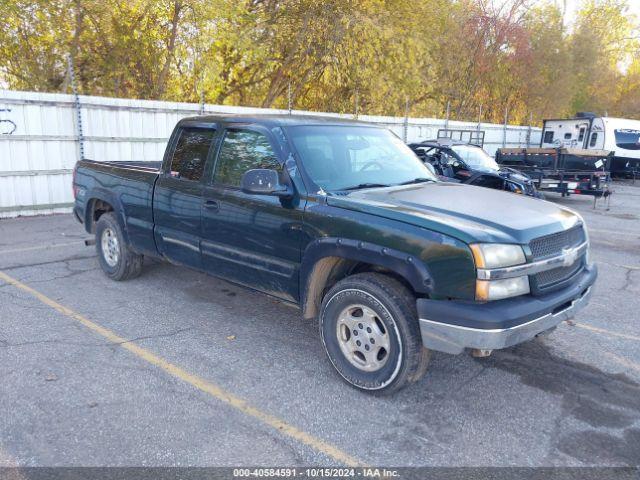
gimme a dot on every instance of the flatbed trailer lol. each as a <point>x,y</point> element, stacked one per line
<point>562,170</point>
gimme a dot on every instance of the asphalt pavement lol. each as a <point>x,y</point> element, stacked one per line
<point>178,368</point>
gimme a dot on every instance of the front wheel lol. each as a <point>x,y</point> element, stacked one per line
<point>370,331</point>
<point>117,260</point>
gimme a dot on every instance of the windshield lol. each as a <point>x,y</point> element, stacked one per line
<point>476,157</point>
<point>349,157</point>
<point>628,139</point>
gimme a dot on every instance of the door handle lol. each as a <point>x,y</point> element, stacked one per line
<point>212,205</point>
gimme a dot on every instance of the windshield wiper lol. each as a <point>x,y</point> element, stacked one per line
<point>365,185</point>
<point>417,180</point>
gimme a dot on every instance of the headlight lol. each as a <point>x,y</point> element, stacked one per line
<point>487,290</point>
<point>497,255</point>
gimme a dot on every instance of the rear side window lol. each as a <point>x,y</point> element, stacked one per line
<point>594,140</point>
<point>548,137</point>
<point>243,150</point>
<point>191,153</point>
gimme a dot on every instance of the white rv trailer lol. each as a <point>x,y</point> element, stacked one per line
<point>588,131</point>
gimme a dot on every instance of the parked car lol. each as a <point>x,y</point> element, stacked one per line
<point>343,220</point>
<point>459,161</point>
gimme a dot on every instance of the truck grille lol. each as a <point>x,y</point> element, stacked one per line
<point>552,245</point>
<point>556,275</point>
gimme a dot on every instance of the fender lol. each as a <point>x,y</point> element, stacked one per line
<point>409,267</point>
<point>110,198</point>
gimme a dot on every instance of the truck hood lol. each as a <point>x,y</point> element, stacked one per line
<point>468,213</point>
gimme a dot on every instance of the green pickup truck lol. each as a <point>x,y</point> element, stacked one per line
<point>342,219</point>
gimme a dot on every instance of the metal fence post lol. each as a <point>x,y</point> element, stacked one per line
<point>356,100</point>
<point>504,130</point>
<point>405,126</point>
<point>529,131</point>
<point>202,92</point>
<point>76,104</point>
<point>446,120</point>
<point>479,118</point>
<point>289,101</point>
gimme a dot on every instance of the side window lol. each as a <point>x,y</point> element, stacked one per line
<point>594,139</point>
<point>191,152</point>
<point>567,136</point>
<point>243,150</point>
<point>581,135</point>
<point>548,136</point>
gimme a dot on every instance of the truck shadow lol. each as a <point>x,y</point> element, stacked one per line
<point>602,400</point>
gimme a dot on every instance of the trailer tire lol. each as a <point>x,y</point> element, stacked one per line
<point>116,259</point>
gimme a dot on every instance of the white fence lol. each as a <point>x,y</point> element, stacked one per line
<point>39,140</point>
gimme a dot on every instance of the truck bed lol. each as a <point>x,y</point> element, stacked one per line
<point>128,186</point>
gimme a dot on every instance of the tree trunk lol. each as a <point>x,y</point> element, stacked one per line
<point>164,73</point>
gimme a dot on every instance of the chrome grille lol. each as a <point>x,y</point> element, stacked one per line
<point>551,245</point>
<point>557,275</point>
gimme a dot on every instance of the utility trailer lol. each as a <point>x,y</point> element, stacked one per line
<point>587,131</point>
<point>562,170</point>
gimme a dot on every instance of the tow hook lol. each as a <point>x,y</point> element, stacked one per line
<point>480,353</point>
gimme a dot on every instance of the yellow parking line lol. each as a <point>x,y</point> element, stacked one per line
<point>201,384</point>
<point>606,332</point>
<point>40,247</point>
<point>623,361</point>
<point>6,460</point>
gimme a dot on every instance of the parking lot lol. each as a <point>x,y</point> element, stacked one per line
<point>178,368</point>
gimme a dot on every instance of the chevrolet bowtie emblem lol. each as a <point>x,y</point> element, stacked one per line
<point>569,256</point>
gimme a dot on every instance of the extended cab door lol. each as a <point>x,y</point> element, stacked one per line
<point>177,197</point>
<point>253,240</point>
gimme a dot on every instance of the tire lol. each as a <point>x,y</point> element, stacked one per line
<point>366,307</point>
<point>116,259</point>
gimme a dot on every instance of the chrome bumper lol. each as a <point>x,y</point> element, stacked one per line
<point>454,339</point>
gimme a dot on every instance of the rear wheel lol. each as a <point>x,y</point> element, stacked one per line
<point>370,331</point>
<point>117,260</point>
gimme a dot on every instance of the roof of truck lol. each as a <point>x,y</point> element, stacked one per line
<point>272,120</point>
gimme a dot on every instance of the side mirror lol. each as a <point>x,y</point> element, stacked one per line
<point>262,181</point>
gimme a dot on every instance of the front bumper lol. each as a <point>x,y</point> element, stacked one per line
<point>452,326</point>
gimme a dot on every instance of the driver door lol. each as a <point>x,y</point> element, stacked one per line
<point>253,240</point>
